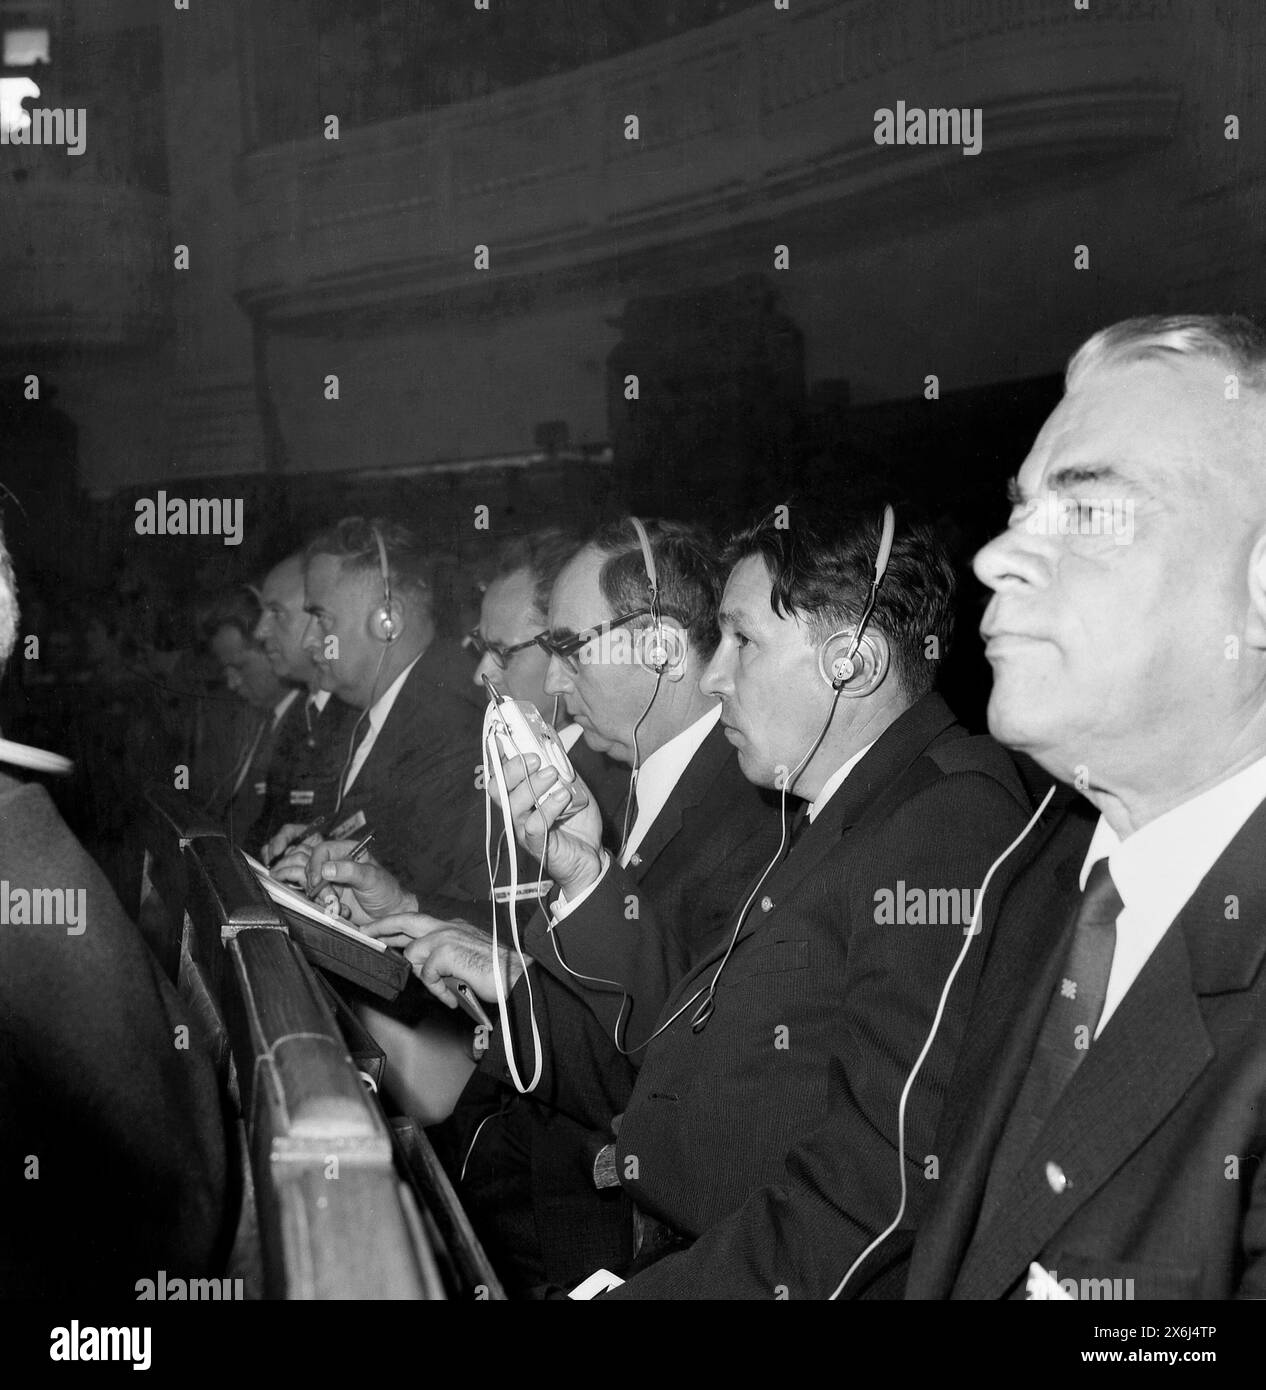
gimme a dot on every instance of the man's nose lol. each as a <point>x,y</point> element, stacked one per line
<point>558,679</point>
<point>716,678</point>
<point>1014,556</point>
<point>260,630</point>
<point>487,667</point>
<point>311,640</point>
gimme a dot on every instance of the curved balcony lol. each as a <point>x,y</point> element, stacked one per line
<point>82,264</point>
<point>757,122</point>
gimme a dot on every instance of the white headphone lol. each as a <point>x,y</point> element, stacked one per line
<point>846,668</point>
<point>381,623</point>
<point>655,653</point>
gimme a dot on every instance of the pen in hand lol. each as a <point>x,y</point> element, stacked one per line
<point>355,854</point>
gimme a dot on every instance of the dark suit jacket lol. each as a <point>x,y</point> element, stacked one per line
<point>715,832</point>
<point>126,1125</point>
<point>821,1005</point>
<point>1160,1134</point>
<point>302,781</point>
<point>609,783</point>
<point>240,809</point>
<point>419,787</point>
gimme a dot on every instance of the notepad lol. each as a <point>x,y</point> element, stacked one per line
<point>294,901</point>
<point>333,944</point>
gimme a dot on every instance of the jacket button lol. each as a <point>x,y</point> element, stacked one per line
<point>1055,1177</point>
<point>766,903</point>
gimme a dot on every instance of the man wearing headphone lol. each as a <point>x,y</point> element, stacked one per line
<point>312,737</point>
<point>691,831</point>
<point>409,771</point>
<point>819,997</point>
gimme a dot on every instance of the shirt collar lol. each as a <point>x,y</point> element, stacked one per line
<point>381,707</point>
<point>660,773</point>
<point>282,705</point>
<point>836,780</point>
<point>1160,866</point>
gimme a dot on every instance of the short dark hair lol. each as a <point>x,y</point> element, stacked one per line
<point>821,560</point>
<point>352,542</point>
<point>236,607</point>
<point>688,567</point>
<point>542,555</point>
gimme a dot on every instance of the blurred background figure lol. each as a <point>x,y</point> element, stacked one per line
<point>237,795</point>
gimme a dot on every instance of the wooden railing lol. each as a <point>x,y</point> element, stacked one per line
<point>339,1202</point>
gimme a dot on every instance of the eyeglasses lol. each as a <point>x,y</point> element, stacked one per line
<point>500,653</point>
<point>568,649</point>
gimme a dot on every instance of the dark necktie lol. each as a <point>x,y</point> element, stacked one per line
<point>799,824</point>
<point>1066,1032</point>
<point>310,713</point>
<point>626,818</point>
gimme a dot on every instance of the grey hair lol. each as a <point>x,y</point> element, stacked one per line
<point>1231,339</point>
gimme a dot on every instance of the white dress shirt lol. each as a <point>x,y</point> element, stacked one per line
<point>659,774</point>
<point>376,718</point>
<point>282,705</point>
<point>1160,866</point>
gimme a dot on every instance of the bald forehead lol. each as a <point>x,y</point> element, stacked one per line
<point>1159,427</point>
<point>508,608</point>
<point>577,600</point>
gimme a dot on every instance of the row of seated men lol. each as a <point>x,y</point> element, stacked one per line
<point>821,999</point>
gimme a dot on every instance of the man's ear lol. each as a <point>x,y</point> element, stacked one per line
<point>1255,625</point>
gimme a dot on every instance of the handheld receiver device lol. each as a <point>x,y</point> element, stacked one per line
<point>520,730</point>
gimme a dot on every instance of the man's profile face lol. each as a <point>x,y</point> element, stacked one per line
<point>765,670</point>
<point>609,692</point>
<point>338,638</point>
<point>281,624</point>
<point>508,616</point>
<point>246,669</point>
<point>1109,650</point>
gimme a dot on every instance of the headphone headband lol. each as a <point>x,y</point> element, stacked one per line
<point>657,656</point>
<point>383,567</point>
<point>382,619</point>
<point>844,668</point>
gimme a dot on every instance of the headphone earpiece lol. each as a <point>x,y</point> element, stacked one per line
<point>838,670</point>
<point>843,671</point>
<point>655,650</point>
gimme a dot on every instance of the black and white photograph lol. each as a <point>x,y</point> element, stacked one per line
<point>632,667</point>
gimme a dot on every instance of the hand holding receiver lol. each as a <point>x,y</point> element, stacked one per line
<point>568,843</point>
<point>443,953</point>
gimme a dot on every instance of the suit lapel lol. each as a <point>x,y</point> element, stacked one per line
<point>1021,968</point>
<point>894,751</point>
<point>691,788</point>
<point>1148,1056</point>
